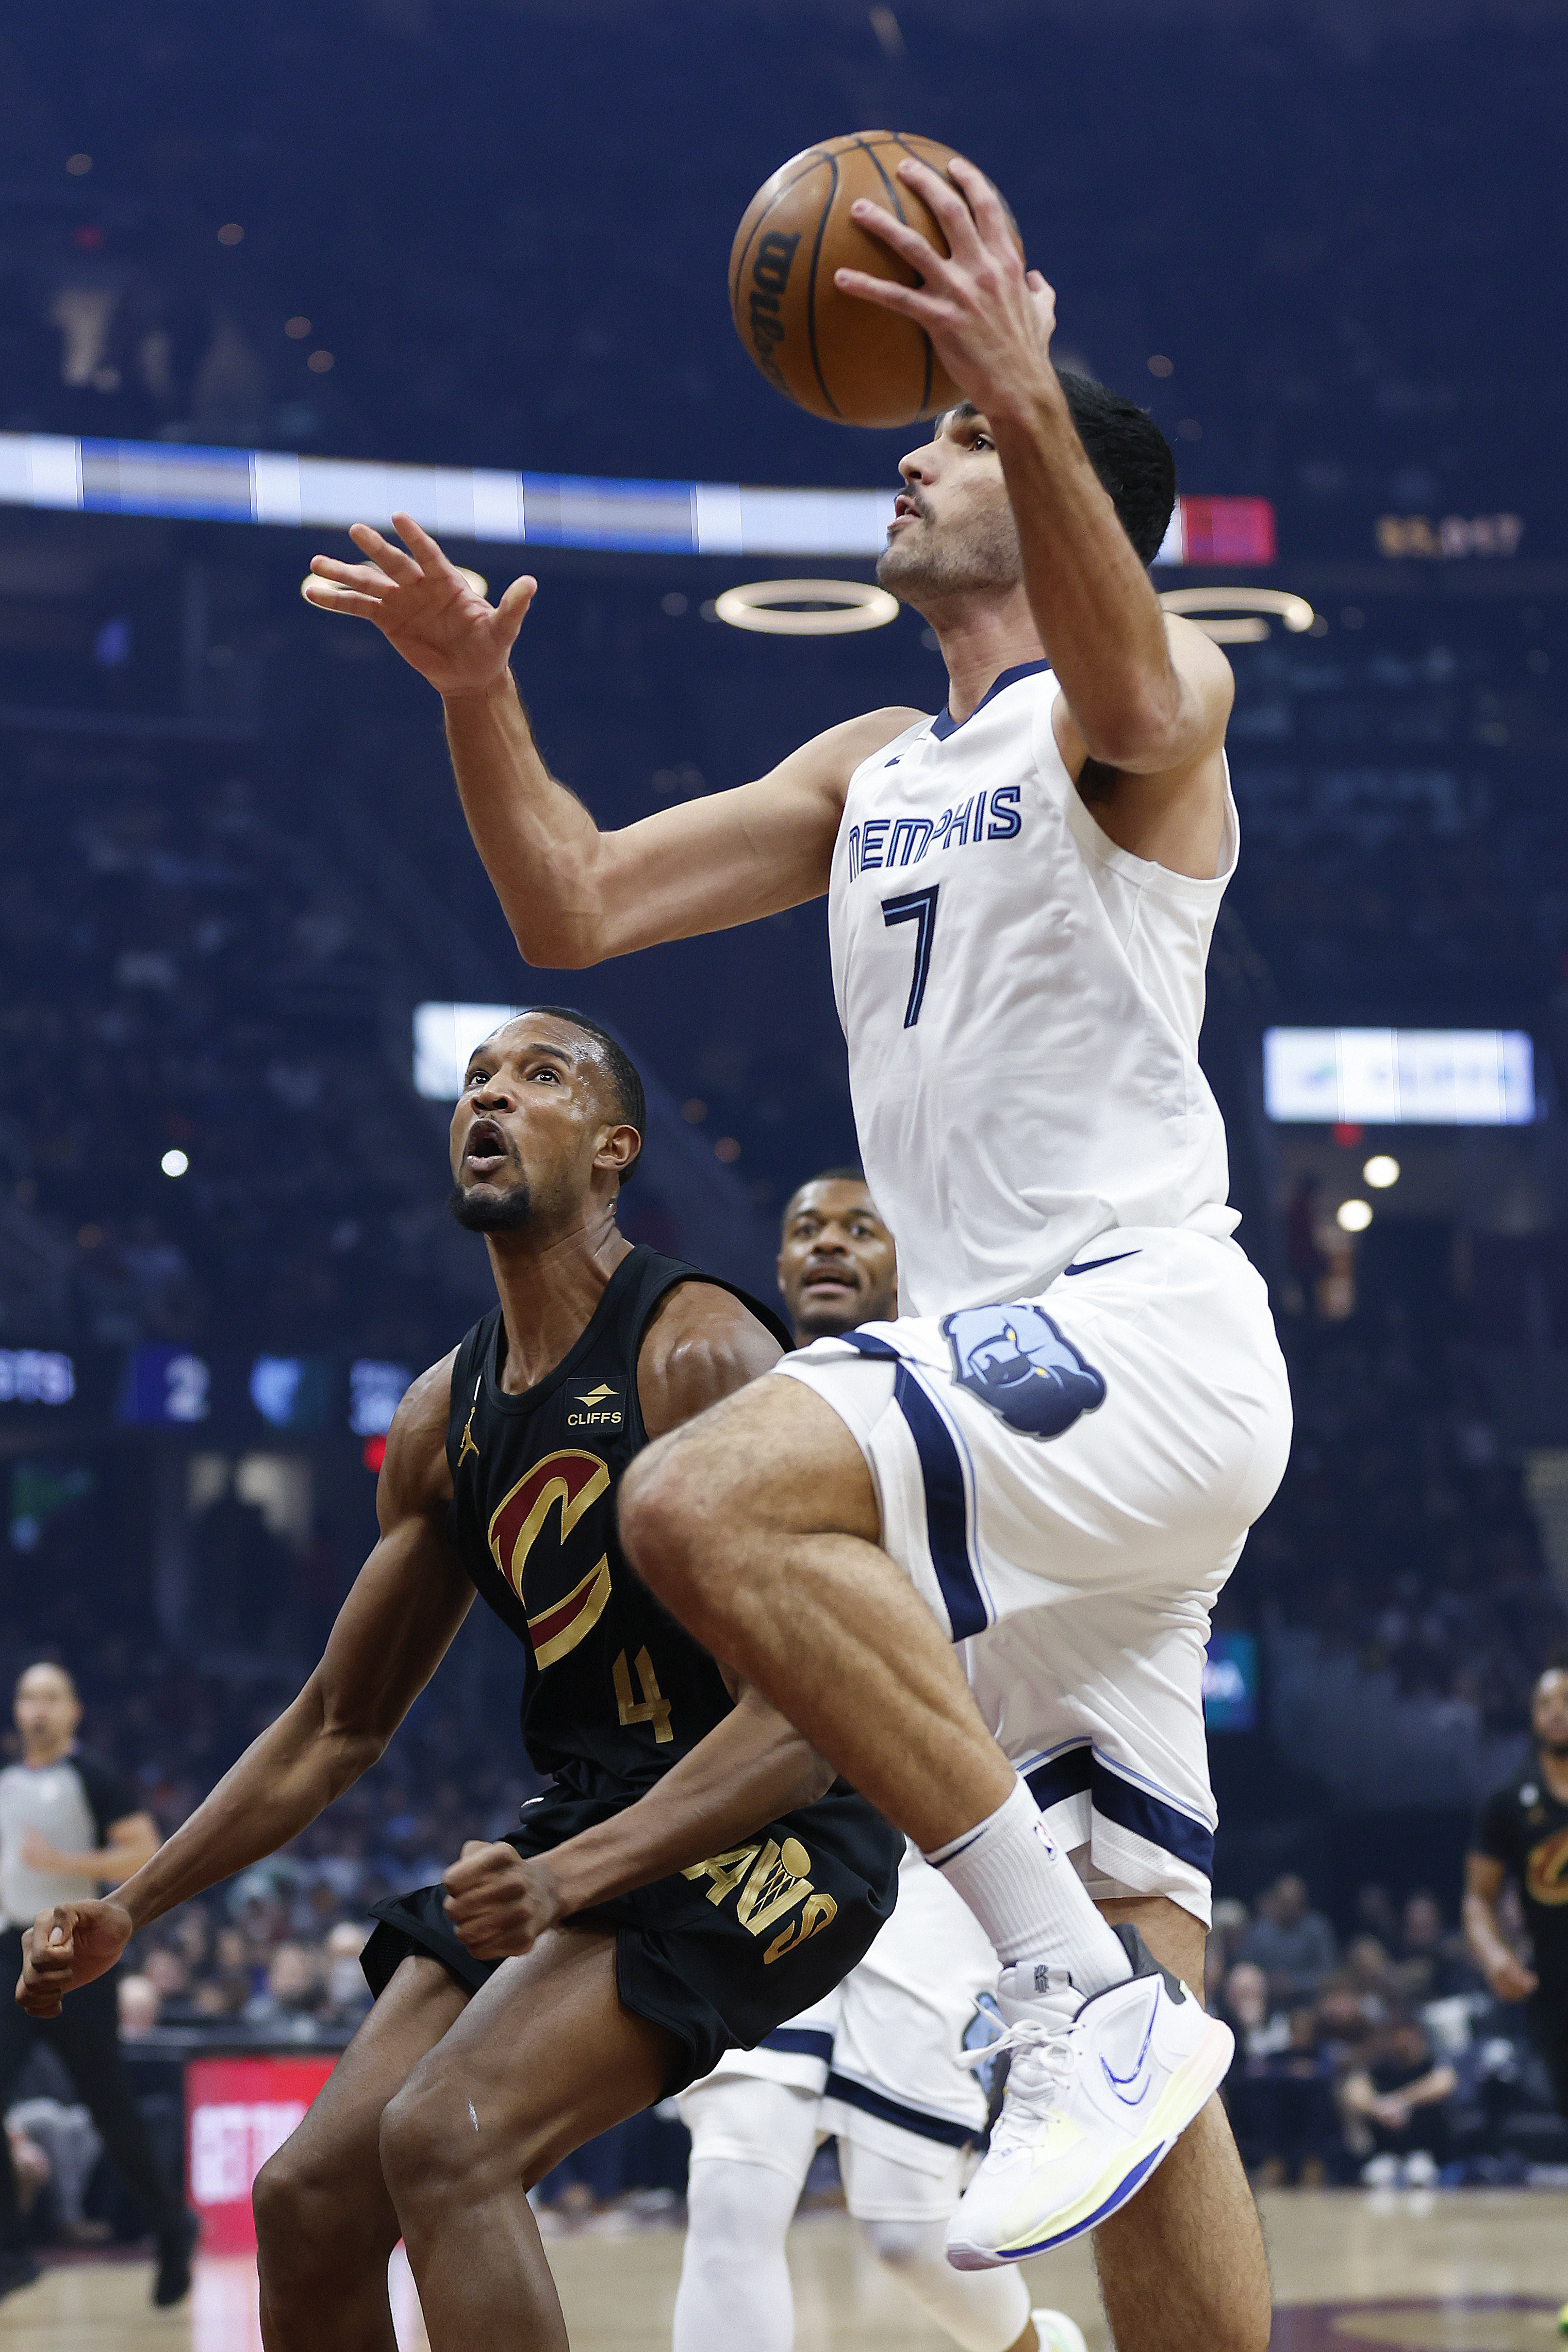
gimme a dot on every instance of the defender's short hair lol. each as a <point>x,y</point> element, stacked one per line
<point>822,1176</point>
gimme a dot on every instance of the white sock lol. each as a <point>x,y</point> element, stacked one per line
<point>1029,1898</point>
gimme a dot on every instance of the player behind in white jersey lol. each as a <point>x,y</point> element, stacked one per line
<point>1050,1463</point>
<point>881,2061</point>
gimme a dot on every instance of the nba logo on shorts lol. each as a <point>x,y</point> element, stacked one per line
<point>1016,1360</point>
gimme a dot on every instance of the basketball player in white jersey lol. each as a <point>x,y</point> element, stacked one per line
<point>880,2061</point>
<point>972,1553</point>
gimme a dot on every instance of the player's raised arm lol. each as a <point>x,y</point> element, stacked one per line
<point>391,1633</point>
<point>572,895</point>
<point>1144,695</point>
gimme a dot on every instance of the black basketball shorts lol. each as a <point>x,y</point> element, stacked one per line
<point>719,1956</point>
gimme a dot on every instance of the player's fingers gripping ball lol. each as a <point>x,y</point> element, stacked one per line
<point>829,351</point>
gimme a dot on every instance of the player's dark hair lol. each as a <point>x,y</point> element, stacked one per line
<point>822,1176</point>
<point>1130,455</point>
<point>627,1086</point>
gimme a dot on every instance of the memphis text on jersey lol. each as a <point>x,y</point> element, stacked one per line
<point>884,842</point>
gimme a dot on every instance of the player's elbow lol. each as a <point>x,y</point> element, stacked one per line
<point>549,943</point>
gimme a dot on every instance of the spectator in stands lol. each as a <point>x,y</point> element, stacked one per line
<point>289,2006</point>
<point>1396,2105</point>
<point>1347,2019</point>
<point>1431,1963</point>
<point>1291,1943</point>
<point>1279,2090</point>
<point>1370,1970</point>
<point>137,2001</point>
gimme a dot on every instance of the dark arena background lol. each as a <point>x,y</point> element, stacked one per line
<point>269,271</point>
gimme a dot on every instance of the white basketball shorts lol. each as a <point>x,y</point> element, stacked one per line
<point>1068,1482</point>
<point>884,2054</point>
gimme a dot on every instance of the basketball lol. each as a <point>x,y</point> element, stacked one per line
<point>829,352</point>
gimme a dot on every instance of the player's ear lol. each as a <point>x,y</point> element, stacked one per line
<point>619,1147</point>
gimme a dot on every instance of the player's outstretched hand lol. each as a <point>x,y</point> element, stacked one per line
<point>424,605</point>
<point>499,1903</point>
<point>1510,1979</point>
<point>68,1946</point>
<point>991,319</point>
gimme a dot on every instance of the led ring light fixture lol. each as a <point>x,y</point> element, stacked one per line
<point>839,606</point>
<point>1239,614</point>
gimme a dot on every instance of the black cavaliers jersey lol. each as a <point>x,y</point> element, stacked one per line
<point>1525,1828</point>
<point>616,1691</point>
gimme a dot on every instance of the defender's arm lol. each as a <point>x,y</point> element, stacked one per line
<point>751,1767</point>
<point>1508,1977</point>
<point>391,1633</point>
<point>572,895</point>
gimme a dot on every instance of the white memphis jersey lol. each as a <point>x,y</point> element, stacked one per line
<point>1022,1002</point>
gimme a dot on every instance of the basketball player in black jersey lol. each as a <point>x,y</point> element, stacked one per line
<point>690,1880</point>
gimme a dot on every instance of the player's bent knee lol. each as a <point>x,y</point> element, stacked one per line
<point>422,2156</point>
<point>299,2212</point>
<point>901,2244</point>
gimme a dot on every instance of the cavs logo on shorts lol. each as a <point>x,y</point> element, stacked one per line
<point>1016,1360</point>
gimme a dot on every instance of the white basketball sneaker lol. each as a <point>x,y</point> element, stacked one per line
<point>1057,2332</point>
<point>1093,2104</point>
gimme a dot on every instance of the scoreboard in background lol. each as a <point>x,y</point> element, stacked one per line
<point>1399,1078</point>
<point>177,1387</point>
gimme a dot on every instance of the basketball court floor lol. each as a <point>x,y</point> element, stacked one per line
<point>1473,2271</point>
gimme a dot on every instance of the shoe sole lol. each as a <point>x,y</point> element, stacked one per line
<point>1190,2088</point>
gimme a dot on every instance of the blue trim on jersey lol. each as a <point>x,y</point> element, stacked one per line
<point>946,1506</point>
<point>944,724</point>
<point>893,2111</point>
<point>799,2041</point>
<point>1164,1825</point>
<point>866,1346</point>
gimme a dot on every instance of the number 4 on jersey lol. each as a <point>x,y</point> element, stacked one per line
<point>919,908</point>
<point>653,1708</point>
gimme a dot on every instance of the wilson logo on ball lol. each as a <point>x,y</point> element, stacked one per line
<point>833,354</point>
<point>769,278</point>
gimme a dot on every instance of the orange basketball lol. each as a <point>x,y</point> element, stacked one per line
<point>835,355</point>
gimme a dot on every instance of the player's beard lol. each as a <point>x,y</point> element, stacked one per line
<point>490,1213</point>
<point>928,564</point>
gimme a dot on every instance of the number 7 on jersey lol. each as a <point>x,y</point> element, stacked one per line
<point>919,908</point>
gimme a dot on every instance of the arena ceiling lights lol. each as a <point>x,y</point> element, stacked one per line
<point>1239,616</point>
<point>806,608</point>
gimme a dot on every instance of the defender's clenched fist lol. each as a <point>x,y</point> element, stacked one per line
<point>68,1946</point>
<point>498,1903</point>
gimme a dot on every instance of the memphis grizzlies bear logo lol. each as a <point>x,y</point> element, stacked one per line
<point>1016,1360</point>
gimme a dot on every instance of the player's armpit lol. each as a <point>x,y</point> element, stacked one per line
<point>1164,799</point>
<point>700,1345</point>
